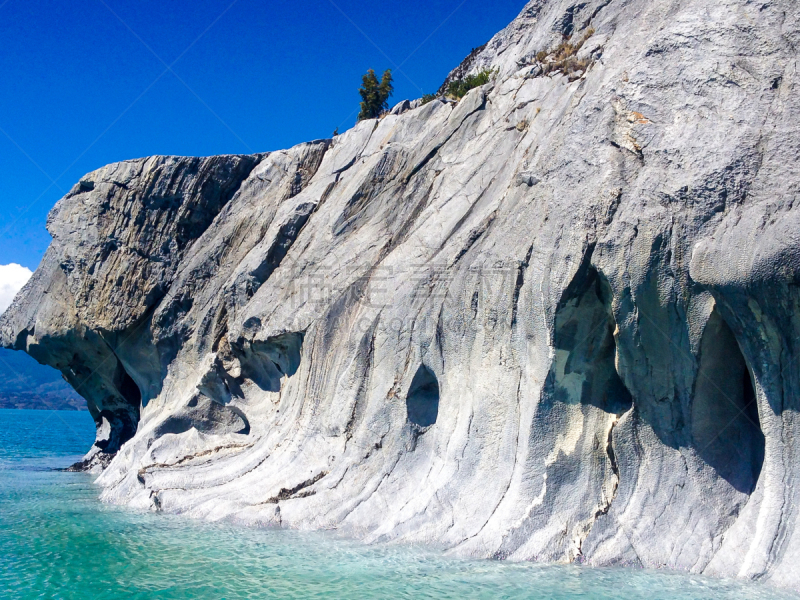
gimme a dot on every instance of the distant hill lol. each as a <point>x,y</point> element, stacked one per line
<point>24,383</point>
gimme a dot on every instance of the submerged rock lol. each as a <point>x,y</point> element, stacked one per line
<point>572,340</point>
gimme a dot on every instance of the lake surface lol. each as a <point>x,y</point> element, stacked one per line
<point>58,541</point>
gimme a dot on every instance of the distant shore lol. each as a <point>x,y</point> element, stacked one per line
<point>22,402</point>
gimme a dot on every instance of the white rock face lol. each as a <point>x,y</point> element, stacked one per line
<point>554,321</point>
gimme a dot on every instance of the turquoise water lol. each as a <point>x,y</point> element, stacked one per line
<point>58,541</point>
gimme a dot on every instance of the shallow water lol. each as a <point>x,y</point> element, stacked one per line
<point>58,541</point>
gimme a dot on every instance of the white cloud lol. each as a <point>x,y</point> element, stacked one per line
<point>12,278</point>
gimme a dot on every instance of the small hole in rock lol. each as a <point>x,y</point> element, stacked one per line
<point>422,402</point>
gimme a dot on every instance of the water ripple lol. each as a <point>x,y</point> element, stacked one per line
<point>59,541</point>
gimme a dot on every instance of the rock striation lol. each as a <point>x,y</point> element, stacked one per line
<point>553,321</point>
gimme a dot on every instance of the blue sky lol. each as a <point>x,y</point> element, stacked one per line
<point>89,82</point>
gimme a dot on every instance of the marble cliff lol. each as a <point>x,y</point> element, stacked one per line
<point>555,320</point>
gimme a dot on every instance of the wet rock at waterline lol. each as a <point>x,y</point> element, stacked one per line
<point>555,320</point>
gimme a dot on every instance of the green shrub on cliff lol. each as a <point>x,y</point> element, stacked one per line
<point>459,88</point>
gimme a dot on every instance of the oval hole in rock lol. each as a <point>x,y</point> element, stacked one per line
<point>422,402</point>
<point>725,426</point>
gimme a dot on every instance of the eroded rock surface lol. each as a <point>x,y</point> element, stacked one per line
<point>554,321</point>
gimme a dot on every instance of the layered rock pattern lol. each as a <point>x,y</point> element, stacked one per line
<point>554,321</point>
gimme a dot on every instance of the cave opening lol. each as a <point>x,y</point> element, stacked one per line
<point>117,421</point>
<point>585,349</point>
<point>422,402</point>
<point>726,430</point>
<point>129,390</point>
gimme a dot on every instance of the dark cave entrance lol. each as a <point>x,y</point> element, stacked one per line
<point>422,402</point>
<point>726,431</point>
<point>122,418</point>
<point>128,389</point>
<point>585,363</point>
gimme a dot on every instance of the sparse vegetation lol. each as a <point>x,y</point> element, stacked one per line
<point>428,98</point>
<point>375,95</point>
<point>459,88</point>
<point>564,58</point>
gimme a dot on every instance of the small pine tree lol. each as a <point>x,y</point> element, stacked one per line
<point>375,95</point>
<point>369,95</point>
